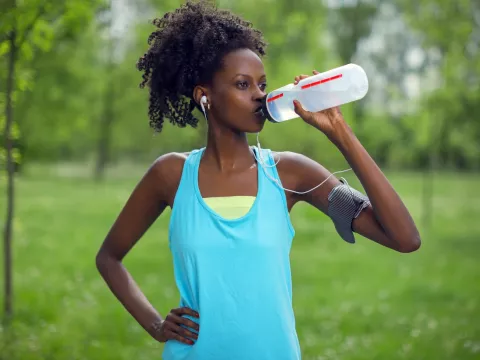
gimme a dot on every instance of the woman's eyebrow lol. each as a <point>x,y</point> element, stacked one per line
<point>261,77</point>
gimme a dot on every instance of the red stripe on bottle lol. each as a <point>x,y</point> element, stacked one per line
<point>321,81</point>
<point>275,97</point>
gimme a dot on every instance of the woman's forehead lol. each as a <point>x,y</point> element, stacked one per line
<point>244,62</point>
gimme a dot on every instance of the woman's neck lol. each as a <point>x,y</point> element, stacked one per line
<point>227,151</point>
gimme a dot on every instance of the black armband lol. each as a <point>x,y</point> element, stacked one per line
<point>345,204</point>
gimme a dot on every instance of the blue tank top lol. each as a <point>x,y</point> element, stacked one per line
<point>234,272</point>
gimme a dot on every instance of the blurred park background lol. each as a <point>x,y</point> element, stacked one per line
<point>70,100</point>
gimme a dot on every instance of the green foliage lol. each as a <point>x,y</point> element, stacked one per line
<point>41,27</point>
<point>65,103</point>
<point>447,125</point>
<point>350,24</point>
<point>64,72</point>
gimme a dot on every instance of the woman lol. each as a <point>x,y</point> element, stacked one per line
<point>230,232</point>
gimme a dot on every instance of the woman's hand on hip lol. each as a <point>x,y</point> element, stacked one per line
<point>171,327</point>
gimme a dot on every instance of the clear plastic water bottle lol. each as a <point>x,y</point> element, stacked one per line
<point>316,93</point>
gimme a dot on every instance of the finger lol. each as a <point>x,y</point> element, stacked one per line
<point>183,332</point>
<point>174,336</point>
<point>172,328</point>
<point>186,333</point>
<point>181,320</point>
<point>315,72</point>
<point>185,311</point>
<point>300,77</point>
<point>304,114</point>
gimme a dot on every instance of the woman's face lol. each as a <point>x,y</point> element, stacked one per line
<point>237,90</point>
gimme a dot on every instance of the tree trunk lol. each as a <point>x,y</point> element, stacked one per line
<point>104,139</point>
<point>106,121</point>
<point>428,179</point>
<point>8,230</point>
<point>427,193</point>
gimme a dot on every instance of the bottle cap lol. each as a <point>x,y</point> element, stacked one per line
<point>265,112</point>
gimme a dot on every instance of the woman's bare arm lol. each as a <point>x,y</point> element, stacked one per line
<point>146,203</point>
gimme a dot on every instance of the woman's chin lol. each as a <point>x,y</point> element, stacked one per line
<point>256,125</point>
<point>254,128</point>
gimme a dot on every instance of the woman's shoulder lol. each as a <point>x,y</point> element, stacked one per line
<point>289,167</point>
<point>289,160</point>
<point>172,161</point>
<point>167,170</point>
<point>293,168</point>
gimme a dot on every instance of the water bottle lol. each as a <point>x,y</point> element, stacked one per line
<point>316,93</point>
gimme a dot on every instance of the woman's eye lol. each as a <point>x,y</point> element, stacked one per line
<point>242,84</point>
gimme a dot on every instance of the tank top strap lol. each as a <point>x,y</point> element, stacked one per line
<point>185,189</point>
<point>192,161</point>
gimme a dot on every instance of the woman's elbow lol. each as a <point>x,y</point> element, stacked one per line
<point>102,260</point>
<point>410,244</point>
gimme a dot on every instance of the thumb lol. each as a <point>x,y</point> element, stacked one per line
<point>299,109</point>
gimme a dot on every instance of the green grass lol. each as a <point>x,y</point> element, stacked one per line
<point>351,302</point>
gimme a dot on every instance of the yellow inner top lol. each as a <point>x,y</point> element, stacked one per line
<point>230,207</point>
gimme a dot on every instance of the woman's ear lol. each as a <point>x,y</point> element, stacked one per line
<point>198,92</point>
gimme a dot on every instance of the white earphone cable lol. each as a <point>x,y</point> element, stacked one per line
<point>263,164</point>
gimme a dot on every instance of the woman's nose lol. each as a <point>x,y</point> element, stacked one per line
<point>259,94</point>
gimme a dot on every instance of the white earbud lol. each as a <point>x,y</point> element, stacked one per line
<point>203,101</point>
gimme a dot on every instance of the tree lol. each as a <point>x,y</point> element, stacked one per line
<point>445,132</point>
<point>15,36</point>
<point>27,28</point>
